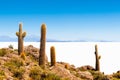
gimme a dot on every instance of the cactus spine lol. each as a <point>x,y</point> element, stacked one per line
<point>42,46</point>
<point>97,65</point>
<point>21,36</point>
<point>53,56</point>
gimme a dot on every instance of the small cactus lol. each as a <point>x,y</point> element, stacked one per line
<point>97,65</point>
<point>22,55</point>
<point>42,55</point>
<point>53,56</point>
<point>66,66</point>
<point>21,36</point>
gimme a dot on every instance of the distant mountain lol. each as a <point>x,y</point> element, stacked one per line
<point>7,38</point>
<point>106,41</point>
<point>34,38</point>
<point>15,39</point>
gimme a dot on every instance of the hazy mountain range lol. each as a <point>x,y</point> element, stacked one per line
<point>37,39</point>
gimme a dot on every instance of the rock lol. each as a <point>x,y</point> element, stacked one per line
<point>85,68</point>
<point>70,67</point>
<point>62,72</point>
<point>118,71</point>
<point>108,77</point>
<point>9,78</point>
<point>31,49</point>
<point>85,75</point>
<point>34,52</point>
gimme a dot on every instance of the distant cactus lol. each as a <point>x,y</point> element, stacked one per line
<point>42,55</point>
<point>21,36</point>
<point>66,66</point>
<point>97,65</point>
<point>53,56</point>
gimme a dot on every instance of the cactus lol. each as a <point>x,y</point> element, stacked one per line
<point>97,65</point>
<point>66,66</point>
<point>53,56</point>
<point>21,36</point>
<point>42,55</point>
<point>22,55</point>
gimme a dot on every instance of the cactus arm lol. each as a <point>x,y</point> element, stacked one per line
<point>23,34</point>
<point>99,57</point>
<point>17,33</point>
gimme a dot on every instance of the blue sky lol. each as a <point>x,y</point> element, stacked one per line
<point>65,19</point>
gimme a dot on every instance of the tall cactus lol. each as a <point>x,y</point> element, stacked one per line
<point>21,36</point>
<point>97,65</point>
<point>53,56</point>
<point>42,55</point>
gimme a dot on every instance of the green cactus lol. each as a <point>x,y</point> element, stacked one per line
<point>97,65</point>
<point>42,55</point>
<point>21,36</point>
<point>53,56</point>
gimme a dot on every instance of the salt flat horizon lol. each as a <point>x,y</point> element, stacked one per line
<point>81,53</point>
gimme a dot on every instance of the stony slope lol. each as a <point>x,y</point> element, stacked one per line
<point>14,67</point>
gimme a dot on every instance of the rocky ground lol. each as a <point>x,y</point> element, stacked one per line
<point>15,67</point>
